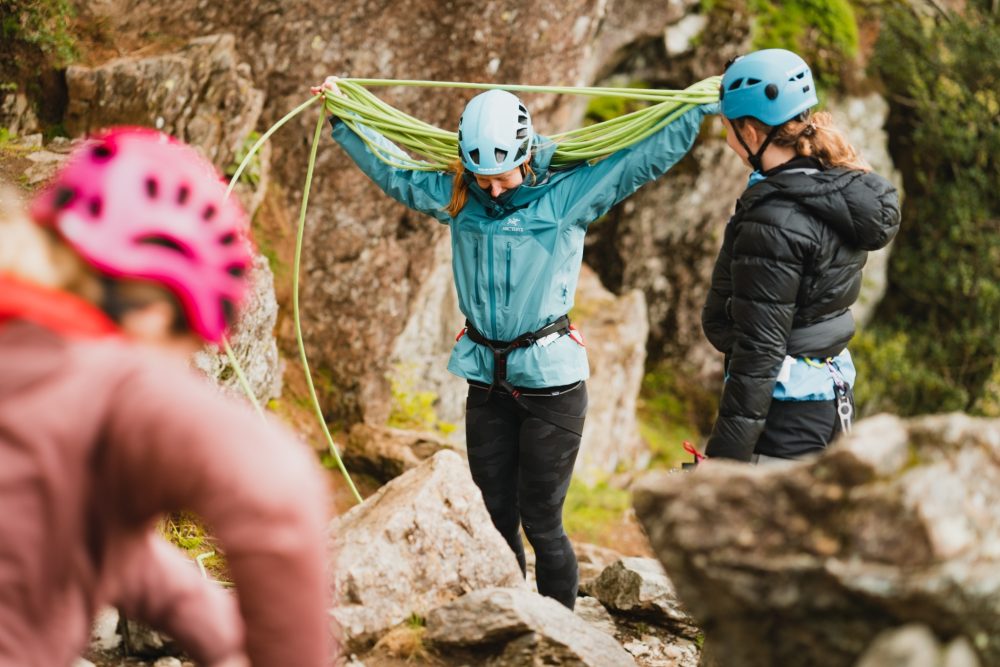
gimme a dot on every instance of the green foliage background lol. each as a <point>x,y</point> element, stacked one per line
<point>41,28</point>
<point>934,345</point>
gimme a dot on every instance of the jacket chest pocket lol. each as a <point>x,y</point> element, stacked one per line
<point>519,261</point>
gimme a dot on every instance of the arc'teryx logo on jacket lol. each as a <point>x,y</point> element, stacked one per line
<point>512,225</point>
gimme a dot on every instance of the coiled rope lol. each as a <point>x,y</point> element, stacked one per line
<point>436,150</point>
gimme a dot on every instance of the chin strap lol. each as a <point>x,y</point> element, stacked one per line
<point>755,159</point>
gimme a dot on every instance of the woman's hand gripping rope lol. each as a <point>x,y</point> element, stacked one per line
<point>330,83</point>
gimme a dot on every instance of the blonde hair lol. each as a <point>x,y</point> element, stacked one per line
<point>460,188</point>
<point>815,137</point>
<point>32,253</point>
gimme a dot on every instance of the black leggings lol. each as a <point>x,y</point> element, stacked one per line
<point>523,466</point>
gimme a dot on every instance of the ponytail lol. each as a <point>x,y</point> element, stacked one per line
<point>815,136</point>
<point>459,189</point>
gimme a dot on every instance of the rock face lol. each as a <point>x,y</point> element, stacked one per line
<point>385,453</point>
<point>533,630</point>
<point>16,113</point>
<point>806,564</point>
<point>422,540</point>
<point>201,94</point>
<point>916,646</point>
<point>615,332</point>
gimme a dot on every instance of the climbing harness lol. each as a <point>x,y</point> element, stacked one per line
<point>437,150</point>
<point>845,408</point>
<point>502,349</point>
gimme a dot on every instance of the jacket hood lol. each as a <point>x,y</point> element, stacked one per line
<point>862,207</point>
<point>522,195</point>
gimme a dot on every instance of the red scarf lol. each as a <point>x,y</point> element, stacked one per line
<point>56,310</point>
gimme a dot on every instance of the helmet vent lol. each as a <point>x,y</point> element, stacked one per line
<point>227,239</point>
<point>800,75</point>
<point>522,150</point>
<point>474,155</point>
<point>522,133</point>
<point>522,120</point>
<point>236,270</point>
<point>736,84</point>
<point>520,107</point>
<point>228,310</point>
<point>500,155</point>
<point>95,206</point>
<point>165,242</point>
<point>208,213</point>
<point>151,188</point>
<point>102,153</point>
<point>753,82</point>
<point>183,193</point>
<point>64,197</point>
<point>460,134</point>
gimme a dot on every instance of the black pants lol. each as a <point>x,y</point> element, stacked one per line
<point>797,428</point>
<point>523,467</point>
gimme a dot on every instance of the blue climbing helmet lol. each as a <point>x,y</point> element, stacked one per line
<point>773,85</point>
<point>494,133</point>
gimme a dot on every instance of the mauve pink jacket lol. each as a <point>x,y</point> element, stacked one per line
<point>98,438</point>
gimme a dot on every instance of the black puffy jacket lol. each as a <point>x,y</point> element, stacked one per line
<point>789,268</point>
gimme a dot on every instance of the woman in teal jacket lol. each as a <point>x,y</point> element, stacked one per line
<point>517,230</point>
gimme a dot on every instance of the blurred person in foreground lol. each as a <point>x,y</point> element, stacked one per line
<point>134,259</point>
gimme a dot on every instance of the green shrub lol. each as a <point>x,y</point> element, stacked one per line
<point>944,276</point>
<point>251,175</point>
<point>592,514</point>
<point>601,109</point>
<point>823,32</point>
<point>38,25</point>
<point>673,408</point>
<point>413,409</point>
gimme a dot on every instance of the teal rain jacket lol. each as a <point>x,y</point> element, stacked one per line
<point>516,259</point>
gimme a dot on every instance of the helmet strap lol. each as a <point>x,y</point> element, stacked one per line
<point>756,159</point>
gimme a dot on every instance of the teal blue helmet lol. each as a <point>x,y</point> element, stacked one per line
<point>774,86</point>
<point>494,133</point>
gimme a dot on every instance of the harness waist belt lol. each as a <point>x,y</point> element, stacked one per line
<point>502,349</point>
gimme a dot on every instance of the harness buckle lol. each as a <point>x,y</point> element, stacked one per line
<point>845,411</point>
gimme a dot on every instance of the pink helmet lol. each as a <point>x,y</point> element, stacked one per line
<point>137,203</point>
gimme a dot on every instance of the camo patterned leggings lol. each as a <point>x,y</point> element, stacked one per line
<point>523,466</point>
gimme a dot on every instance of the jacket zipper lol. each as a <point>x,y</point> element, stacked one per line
<point>506,300</point>
<point>492,276</point>
<point>475,287</point>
